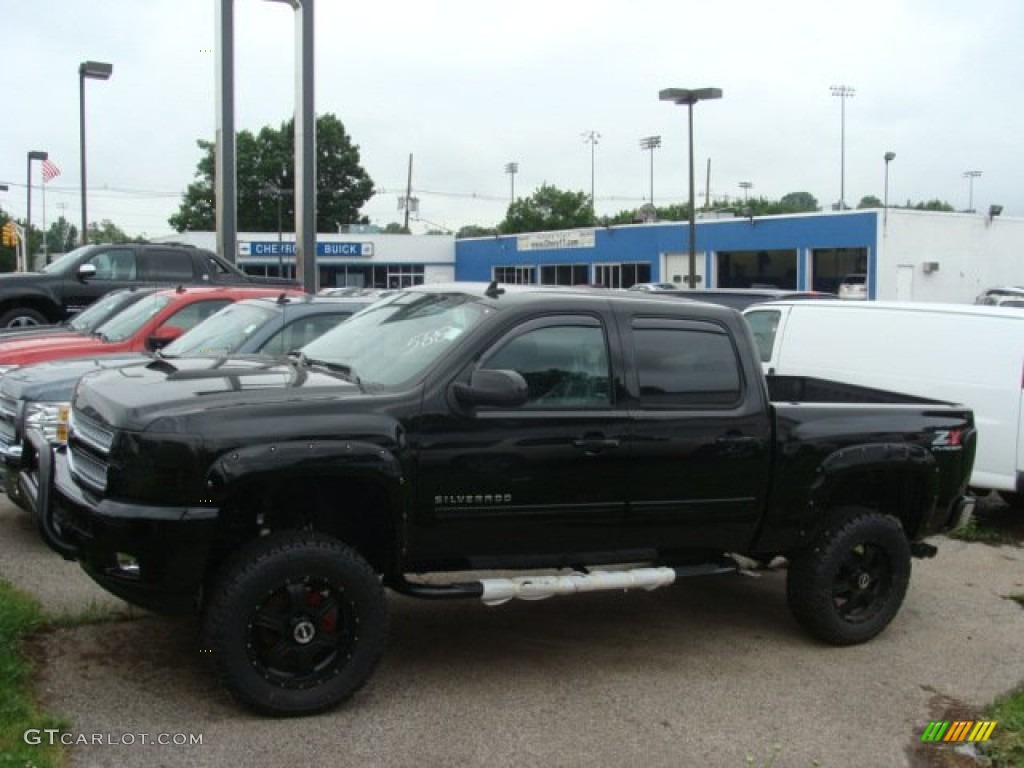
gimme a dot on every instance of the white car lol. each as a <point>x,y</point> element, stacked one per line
<point>1010,296</point>
<point>654,287</point>
<point>854,287</point>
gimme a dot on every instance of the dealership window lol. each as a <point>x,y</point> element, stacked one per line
<point>513,275</point>
<point>622,275</point>
<point>564,274</point>
<point>757,269</point>
<point>830,265</point>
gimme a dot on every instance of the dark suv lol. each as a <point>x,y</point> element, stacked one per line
<point>81,276</point>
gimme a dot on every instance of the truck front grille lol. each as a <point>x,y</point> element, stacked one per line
<point>8,419</point>
<point>89,443</point>
<point>97,436</point>
<point>87,469</point>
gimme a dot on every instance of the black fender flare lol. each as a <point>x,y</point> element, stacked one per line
<point>301,458</point>
<point>837,467</point>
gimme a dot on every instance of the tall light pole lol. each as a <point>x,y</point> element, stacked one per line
<point>512,169</point>
<point>689,98</point>
<point>651,143</point>
<point>888,157</point>
<point>35,154</point>
<point>745,186</point>
<point>971,176</point>
<point>844,92</point>
<point>91,70</point>
<point>591,137</point>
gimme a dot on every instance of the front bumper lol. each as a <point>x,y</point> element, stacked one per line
<point>153,557</point>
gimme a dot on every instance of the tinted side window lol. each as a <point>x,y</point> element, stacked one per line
<point>168,266</point>
<point>685,367</point>
<point>564,366</point>
<point>299,333</point>
<point>114,264</point>
<point>764,323</point>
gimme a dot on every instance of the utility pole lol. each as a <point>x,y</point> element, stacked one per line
<point>408,194</point>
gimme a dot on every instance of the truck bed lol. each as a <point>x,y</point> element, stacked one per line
<point>807,389</point>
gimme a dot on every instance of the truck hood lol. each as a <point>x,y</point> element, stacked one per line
<point>38,349</point>
<point>178,395</point>
<point>55,380</point>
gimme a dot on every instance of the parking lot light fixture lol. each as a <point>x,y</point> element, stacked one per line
<point>689,97</point>
<point>35,154</point>
<point>87,70</point>
<point>888,157</point>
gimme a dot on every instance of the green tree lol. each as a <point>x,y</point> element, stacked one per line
<point>266,181</point>
<point>869,201</point>
<point>549,208</point>
<point>932,205</point>
<point>107,231</point>
<point>472,230</point>
<point>798,202</point>
<point>61,237</point>
<point>394,228</point>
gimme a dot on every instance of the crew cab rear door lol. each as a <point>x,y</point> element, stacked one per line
<point>542,478</point>
<point>701,432</point>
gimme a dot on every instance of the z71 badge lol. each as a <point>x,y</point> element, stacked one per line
<point>947,440</point>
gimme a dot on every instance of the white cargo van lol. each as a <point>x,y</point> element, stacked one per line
<point>972,355</point>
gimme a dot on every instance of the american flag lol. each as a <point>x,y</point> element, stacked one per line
<point>50,171</point>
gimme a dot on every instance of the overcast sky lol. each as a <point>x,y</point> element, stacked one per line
<point>467,86</point>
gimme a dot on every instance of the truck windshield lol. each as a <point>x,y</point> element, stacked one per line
<point>103,309</point>
<point>127,323</point>
<point>57,265</point>
<point>395,341</point>
<point>221,333</point>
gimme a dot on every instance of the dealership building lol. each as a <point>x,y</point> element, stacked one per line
<point>904,254</point>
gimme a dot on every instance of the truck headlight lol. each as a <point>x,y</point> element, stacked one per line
<point>49,418</point>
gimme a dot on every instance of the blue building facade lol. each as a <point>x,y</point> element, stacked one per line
<point>799,252</point>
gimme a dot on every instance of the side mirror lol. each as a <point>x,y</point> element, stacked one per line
<point>163,336</point>
<point>492,387</point>
<point>86,272</point>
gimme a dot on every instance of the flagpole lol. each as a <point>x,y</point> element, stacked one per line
<point>46,250</point>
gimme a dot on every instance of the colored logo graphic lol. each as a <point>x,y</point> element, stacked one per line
<point>959,730</point>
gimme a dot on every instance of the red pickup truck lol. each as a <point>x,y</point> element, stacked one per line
<point>150,323</point>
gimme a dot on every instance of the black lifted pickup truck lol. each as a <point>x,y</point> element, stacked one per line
<point>562,441</point>
<point>79,277</point>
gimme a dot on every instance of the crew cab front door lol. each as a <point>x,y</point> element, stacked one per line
<point>541,481</point>
<point>115,268</point>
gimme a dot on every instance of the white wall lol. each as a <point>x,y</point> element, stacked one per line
<point>972,252</point>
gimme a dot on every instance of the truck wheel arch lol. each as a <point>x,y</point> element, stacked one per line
<point>349,491</point>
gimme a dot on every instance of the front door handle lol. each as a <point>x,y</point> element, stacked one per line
<point>592,445</point>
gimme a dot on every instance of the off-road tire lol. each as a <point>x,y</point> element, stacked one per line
<point>851,582</point>
<point>22,317</point>
<point>295,623</point>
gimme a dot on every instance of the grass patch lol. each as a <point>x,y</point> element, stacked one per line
<point>978,531</point>
<point>20,615</point>
<point>1006,747</point>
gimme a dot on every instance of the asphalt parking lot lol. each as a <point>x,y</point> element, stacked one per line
<point>709,672</point>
